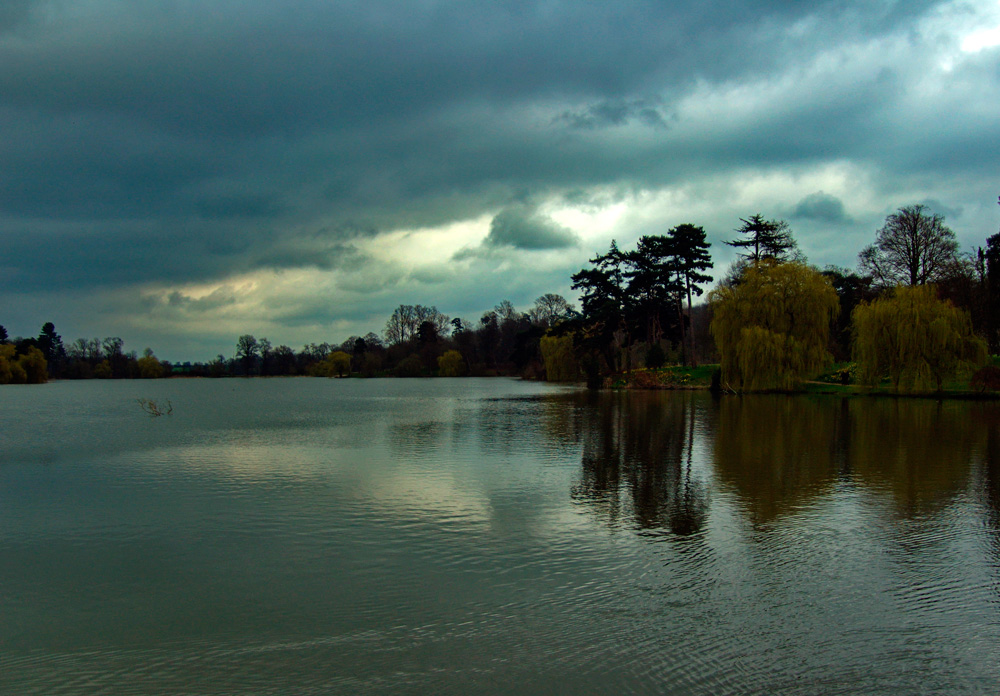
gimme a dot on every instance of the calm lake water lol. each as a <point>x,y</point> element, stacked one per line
<point>310,536</point>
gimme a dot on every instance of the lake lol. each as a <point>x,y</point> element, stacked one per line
<point>312,536</point>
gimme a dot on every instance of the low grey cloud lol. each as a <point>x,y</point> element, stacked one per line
<point>820,206</point>
<point>523,227</point>
<point>607,114</point>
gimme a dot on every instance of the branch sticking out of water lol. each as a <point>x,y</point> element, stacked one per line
<point>154,409</point>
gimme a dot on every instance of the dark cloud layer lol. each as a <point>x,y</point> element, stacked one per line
<point>150,144</point>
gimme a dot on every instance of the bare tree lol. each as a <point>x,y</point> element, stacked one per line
<point>549,309</point>
<point>247,349</point>
<point>406,320</point>
<point>914,247</point>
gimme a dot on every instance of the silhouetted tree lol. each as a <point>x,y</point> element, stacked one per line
<point>51,345</point>
<point>549,309</point>
<point>266,353</point>
<point>246,352</point>
<point>603,327</point>
<point>690,248</point>
<point>654,288</point>
<point>406,320</point>
<point>765,239</point>
<point>851,290</point>
<point>283,360</point>
<point>912,248</point>
<point>992,268</point>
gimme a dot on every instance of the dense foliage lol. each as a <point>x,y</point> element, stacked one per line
<point>915,339</point>
<point>773,327</point>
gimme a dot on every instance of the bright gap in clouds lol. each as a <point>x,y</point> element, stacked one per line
<point>977,40</point>
<point>981,40</point>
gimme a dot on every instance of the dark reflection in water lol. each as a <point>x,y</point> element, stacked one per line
<point>640,453</point>
<point>919,450</point>
<point>989,419</point>
<point>778,453</point>
<point>637,461</point>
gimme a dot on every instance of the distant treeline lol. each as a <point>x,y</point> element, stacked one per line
<point>637,311</point>
<point>417,341</point>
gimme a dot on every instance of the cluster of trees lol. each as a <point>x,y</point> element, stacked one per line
<point>421,341</point>
<point>918,312</point>
<point>636,304</point>
<point>418,341</point>
<point>82,359</point>
<point>26,361</point>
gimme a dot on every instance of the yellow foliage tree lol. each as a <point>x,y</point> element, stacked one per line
<point>914,339</point>
<point>6,360</point>
<point>560,361</point>
<point>30,368</point>
<point>338,363</point>
<point>772,328</point>
<point>149,366</point>
<point>451,364</point>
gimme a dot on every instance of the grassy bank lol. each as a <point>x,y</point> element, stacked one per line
<point>672,377</point>
<point>838,380</point>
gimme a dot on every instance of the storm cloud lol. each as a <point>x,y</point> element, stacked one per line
<point>181,172</point>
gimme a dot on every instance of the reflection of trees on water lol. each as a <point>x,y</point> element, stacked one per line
<point>781,452</point>
<point>920,450</point>
<point>642,462</point>
<point>637,461</point>
<point>778,452</point>
<point>989,416</point>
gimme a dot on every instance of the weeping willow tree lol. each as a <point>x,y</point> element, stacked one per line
<point>915,339</point>
<point>772,328</point>
<point>560,361</point>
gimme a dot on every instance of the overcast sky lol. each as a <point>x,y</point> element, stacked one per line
<point>180,172</point>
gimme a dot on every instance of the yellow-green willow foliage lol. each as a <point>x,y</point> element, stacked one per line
<point>772,328</point>
<point>915,339</point>
<point>149,366</point>
<point>30,368</point>
<point>560,362</point>
<point>451,364</point>
<point>336,364</point>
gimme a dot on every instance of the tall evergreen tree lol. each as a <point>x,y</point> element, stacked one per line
<point>765,239</point>
<point>51,345</point>
<point>653,286</point>
<point>692,258</point>
<point>603,302</point>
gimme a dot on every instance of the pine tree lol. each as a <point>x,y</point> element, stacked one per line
<point>765,239</point>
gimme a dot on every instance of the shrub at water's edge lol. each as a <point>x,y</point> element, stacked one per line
<point>27,368</point>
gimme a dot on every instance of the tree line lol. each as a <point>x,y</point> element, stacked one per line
<point>917,311</point>
<point>417,341</point>
<point>637,310</point>
<point>917,314</point>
